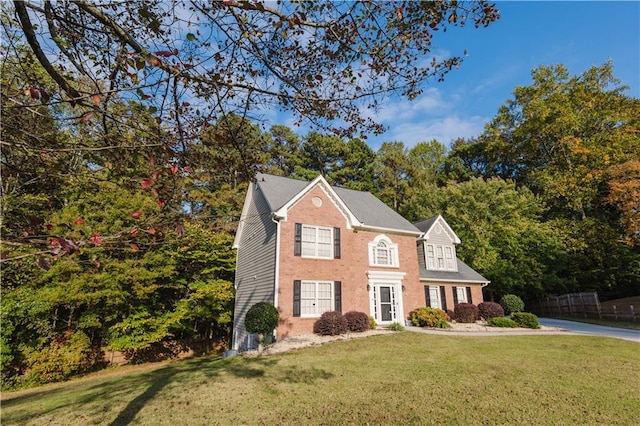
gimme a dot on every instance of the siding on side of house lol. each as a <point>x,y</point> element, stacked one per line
<point>255,265</point>
<point>442,238</point>
<point>422,261</point>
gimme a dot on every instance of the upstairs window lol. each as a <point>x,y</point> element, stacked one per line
<point>441,257</point>
<point>317,241</point>
<point>382,252</point>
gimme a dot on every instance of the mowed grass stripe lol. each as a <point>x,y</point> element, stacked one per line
<point>401,378</point>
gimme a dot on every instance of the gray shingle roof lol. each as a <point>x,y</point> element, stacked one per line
<point>465,273</point>
<point>425,225</point>
<point>365,206</point>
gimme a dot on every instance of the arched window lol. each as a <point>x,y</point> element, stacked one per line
<point>382,252</point>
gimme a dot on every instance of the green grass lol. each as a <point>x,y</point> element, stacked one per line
<point>400,378</point>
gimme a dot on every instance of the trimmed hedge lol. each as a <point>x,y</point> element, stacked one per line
<point>466,313</point>
<point>429,317</point>
<point>261,318</point>
<point>357,321</point>
<point>501,322</point>
<point>331,323</point>
<point>525,319</point>
<point>490,310</point>
<point>511,303</point>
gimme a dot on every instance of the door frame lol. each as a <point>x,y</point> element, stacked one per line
<point>377,279</point>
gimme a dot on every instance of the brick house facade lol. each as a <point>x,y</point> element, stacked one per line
<point>308,248</point>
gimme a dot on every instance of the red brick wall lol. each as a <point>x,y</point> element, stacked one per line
<point>476,292</point>
<point>351,269</point>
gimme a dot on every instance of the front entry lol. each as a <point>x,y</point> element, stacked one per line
<point>385,296</point>
<point>385,303</point>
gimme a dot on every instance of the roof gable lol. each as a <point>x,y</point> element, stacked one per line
<point>320,181</point>
<point>436,224</point>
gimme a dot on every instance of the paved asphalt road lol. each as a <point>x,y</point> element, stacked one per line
<point>591,329</point>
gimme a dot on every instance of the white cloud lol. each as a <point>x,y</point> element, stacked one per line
<point>443,129</point>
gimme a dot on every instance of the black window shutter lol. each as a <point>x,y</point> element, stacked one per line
<point>297,242</point>
<point>427,296</point>
<point>336,243</point>
<point>443,298</point>
<point>296,298</point>
<point>455,296</point>
<point>337,294</point>
<point>469,295</point>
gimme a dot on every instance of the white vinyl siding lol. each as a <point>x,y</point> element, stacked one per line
<point>316,298</point>
<point>317,242</point>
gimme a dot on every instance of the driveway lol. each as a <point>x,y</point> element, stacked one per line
<point>591,329</point>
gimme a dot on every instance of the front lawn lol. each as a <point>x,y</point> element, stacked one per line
<point>399,378</point>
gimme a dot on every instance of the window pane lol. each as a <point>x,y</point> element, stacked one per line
<point>308,233</point>
<point>324,236</point>
<point>462,294</point>
<point>382,256</point>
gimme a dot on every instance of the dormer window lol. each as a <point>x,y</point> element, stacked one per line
<point>382,252</point>
<point>441,257</point>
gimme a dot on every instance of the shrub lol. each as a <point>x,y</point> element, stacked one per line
<point>396,326</point>
<point>442,324</point>
<point>490,310</point>
<point>466,312</point>
<point>357,321</point>
<point>372,323</point>
<point>525,319</point>
<point>67,355</point>
<point>501,322</point>
<point>261,318</point>
<point>511,303</point>
<point>331,323</point>
<point>428,317</point>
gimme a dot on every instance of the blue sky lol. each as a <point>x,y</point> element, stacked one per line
<point>501,57</point>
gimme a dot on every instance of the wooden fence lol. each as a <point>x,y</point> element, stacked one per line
<point>586,305</point>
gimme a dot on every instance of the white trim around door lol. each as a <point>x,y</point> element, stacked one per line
<point>385,296</point>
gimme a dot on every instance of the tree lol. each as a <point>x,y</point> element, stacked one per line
<point>196,60</point>
<point>392,169</point>
<point>560,135</point>
<point>503,235</point>
<point>574,141</point>
<point>262,318</point>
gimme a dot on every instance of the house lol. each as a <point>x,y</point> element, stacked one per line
<point>308,248</point>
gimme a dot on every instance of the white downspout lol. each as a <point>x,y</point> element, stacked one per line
<point>277,268</point>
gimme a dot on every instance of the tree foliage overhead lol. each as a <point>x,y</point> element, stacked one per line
<point>193,61</point>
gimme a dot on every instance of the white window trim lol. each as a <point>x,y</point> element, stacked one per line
<point>316,313</point>
<point>392,248</point>
<point>315,244</point>
<point>431,254</point>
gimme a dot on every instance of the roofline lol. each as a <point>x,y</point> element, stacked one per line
<point>243,216</point>
<point>352,220</point>
<point>455,281</point>
<point>387,230</point>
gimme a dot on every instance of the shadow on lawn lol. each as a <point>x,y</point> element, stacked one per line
<point>100,397</point>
